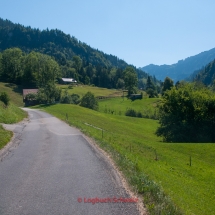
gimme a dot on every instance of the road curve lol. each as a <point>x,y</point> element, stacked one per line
<point>51,169</point>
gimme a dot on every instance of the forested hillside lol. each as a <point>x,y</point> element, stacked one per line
<point>76,59</point>
<point>207,74</point>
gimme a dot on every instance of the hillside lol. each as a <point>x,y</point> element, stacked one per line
<point>183,68</point>
<point>14,91</point>
<point>94,68</point>
<point>207,74</point>
<point>52,42</point>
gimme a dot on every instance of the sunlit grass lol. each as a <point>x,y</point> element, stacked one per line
<point>191,188</point>
<point>14,91</point>
<point>11,114</point>
<point>97,91</point>
<point>118,106</point>
<point>5,136</point>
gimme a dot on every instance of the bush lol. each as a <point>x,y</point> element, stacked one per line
<point>131,112</point>
<point>152,93</point>
<point>49,94</point>
<point>187,114</point>
<point>75,99</point>
<point>5,98</point>
<point>89,101</point>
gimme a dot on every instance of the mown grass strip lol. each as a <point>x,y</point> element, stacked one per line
<point>133,143</point>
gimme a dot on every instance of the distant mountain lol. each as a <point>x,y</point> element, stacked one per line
<point>182,69</point>
<point>207,74</point>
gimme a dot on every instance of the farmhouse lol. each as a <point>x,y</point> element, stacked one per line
<point>68,80</point>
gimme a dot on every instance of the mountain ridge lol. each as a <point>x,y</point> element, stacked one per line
<point>183,68</point>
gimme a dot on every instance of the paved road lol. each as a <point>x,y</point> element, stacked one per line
<point>51,166</point>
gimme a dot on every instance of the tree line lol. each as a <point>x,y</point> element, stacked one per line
<point>187,113</point>
<point>35,70</point>
<point>75,58</point>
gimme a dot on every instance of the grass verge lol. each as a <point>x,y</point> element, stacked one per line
<point>5,136</point>
<point>161,172</point>
<point>11,114</point>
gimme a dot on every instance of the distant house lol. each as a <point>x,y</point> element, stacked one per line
<point>68,80</point>
<point>25,93</point>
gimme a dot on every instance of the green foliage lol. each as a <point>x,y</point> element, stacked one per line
<point>130,79</point>
<point>133,113</point>
<point>39,69</point>
<point>49,94</point>
<point>150,88</point>
<point>75,59</point>
<point>75,98</point>
<point>167,85</point>
<point>187,114</point>
<point>31,96</point>
<point>207,74</point>
<point>4,97</point>
<point>70,99</point>
<point>152,93</point>
<point>11,65</point>
<point>89,101</point>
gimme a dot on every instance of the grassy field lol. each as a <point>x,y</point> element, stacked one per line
<point>97,91</point>
<point>118,106</point>
<point>14,91</point>
<point>144,158</point>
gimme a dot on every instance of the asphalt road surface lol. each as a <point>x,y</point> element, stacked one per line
<point>51,169</point>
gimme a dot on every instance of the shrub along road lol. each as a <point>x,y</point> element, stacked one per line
<point>55,170</point>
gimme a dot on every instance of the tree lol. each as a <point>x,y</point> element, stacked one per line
<point>167,85</point>
<point>187,114</point>
<point>130,79</point>
<point>11,63</point>
<point>49,94</point>
<point>39,70</point>
<point>150,88</point>
<point>89,101</point>
<point>5,98</point>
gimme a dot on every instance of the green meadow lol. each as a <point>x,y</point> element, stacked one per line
<point>97,91</point>
<point>172,177</point>
<point>119,105</point>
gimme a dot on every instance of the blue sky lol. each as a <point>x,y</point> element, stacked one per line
<point>140,32</point>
